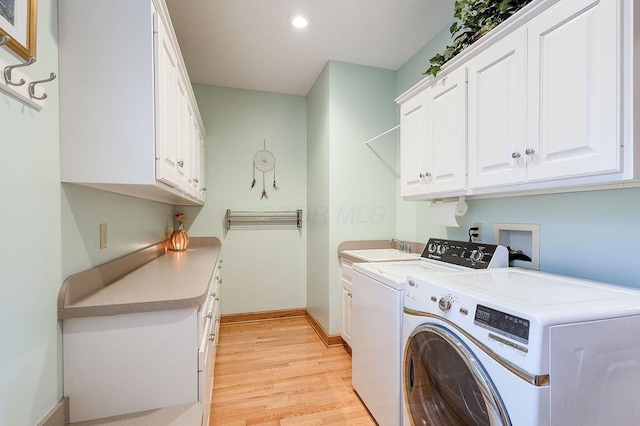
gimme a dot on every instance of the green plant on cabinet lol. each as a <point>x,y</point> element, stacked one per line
<point>474,18</point>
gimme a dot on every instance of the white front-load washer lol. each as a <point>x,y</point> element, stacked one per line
<point>376,317</point>
<point>517,347</point>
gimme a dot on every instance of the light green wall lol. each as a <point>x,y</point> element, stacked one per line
<point>132,224</point>
<point>263,269</point>
<point>348,180</point>
<point>318,255</point>
<point>30,366</point>
<point>411,71</point>
<point>361,185</point>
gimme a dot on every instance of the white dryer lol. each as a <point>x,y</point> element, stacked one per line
<point>377,312</point>
<point>517,347</point>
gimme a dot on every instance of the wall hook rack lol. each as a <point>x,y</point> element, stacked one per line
<point>4,40</point>
<point>9,68</point>
<point>32,86</point>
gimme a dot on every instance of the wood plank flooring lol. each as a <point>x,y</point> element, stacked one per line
<point>278,372</point>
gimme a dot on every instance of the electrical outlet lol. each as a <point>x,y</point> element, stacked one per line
<point>478,232</point>
<point>104,238</point>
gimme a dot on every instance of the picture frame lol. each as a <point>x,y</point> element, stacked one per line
<point>18,21</point>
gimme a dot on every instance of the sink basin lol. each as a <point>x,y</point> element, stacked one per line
<point>381,255</point>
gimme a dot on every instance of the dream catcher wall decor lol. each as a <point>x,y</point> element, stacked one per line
<point>264,161</point>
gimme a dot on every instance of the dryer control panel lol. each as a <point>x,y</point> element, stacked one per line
<point>469,255</point>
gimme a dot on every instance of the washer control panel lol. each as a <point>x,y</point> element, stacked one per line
<point>469,255</point>
<point>508,332</point>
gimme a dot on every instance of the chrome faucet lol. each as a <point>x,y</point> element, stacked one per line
<point>402,245</point>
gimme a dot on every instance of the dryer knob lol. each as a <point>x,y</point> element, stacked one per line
<point>444,304</point>
<point>476,255</point>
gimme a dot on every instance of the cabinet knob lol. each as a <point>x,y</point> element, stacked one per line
<point>181,163</point>
<point>209,315</point>
<point>427,174</point>
<point>421,176</point>
<point>212,337</point>
<point>196,180</point>
<point>220,280</point>
<point>204,189</point>
<point>515,155</point>
<point>217,299</point>
<point>349,294</point>
<point>530,151</point>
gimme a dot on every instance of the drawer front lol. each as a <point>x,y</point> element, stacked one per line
<point>347,270</point>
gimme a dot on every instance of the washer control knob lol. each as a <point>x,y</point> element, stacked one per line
<point>444,304</point>
<point>476,255</point>
<point>431,248</point>
<point>441,249</point>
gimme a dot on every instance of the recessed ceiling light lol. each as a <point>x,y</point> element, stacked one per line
<point>299,21</point>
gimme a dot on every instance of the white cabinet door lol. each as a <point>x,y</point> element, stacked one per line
<point>346,311</point>
<point>171,114</point>
<point>574,72</point>
<point>446,134</point>
<point>413,120</point>
<point>497,113</point>
<point>193,157</point>
<point>202,144</point>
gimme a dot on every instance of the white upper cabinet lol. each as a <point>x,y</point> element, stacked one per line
<point>574,71</point>
<point>126,106</point>
<point>551,105</point>
<point>172,118</point>
<point>433,139</point>
<point>497,113</point>
<point>447,134</point>
<point>413,146</point>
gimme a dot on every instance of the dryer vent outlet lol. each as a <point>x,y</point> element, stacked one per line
<point>520,236</point>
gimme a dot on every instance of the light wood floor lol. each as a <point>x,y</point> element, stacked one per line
<point>278,372</point>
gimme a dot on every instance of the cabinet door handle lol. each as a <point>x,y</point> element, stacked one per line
<point>421,176</point>
<point>427,174</point>
<point>515,155</point>
<point>196,180</point>
<point>209,315</point>
<point>530,151</point>
<point>349,294</point>
<point>181,163</point>
<point>217,299</point>
<point>220,280</point>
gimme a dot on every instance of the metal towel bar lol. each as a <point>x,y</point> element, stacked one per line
<point>250,218</point>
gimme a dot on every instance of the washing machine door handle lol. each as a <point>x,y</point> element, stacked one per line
<point>496,412</point>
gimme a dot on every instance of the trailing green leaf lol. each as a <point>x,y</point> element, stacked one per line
<point>474,18</point>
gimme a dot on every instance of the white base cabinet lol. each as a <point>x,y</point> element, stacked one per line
<point>127,363</point>
<point>347,300</point>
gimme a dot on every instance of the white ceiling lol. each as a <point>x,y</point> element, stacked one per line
<point>249,44</point>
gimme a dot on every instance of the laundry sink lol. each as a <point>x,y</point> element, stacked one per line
<point>381,255</point>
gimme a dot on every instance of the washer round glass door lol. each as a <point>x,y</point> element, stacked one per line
<point>445,384</point>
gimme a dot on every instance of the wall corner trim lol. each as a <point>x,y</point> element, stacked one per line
<point>329,340</point>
